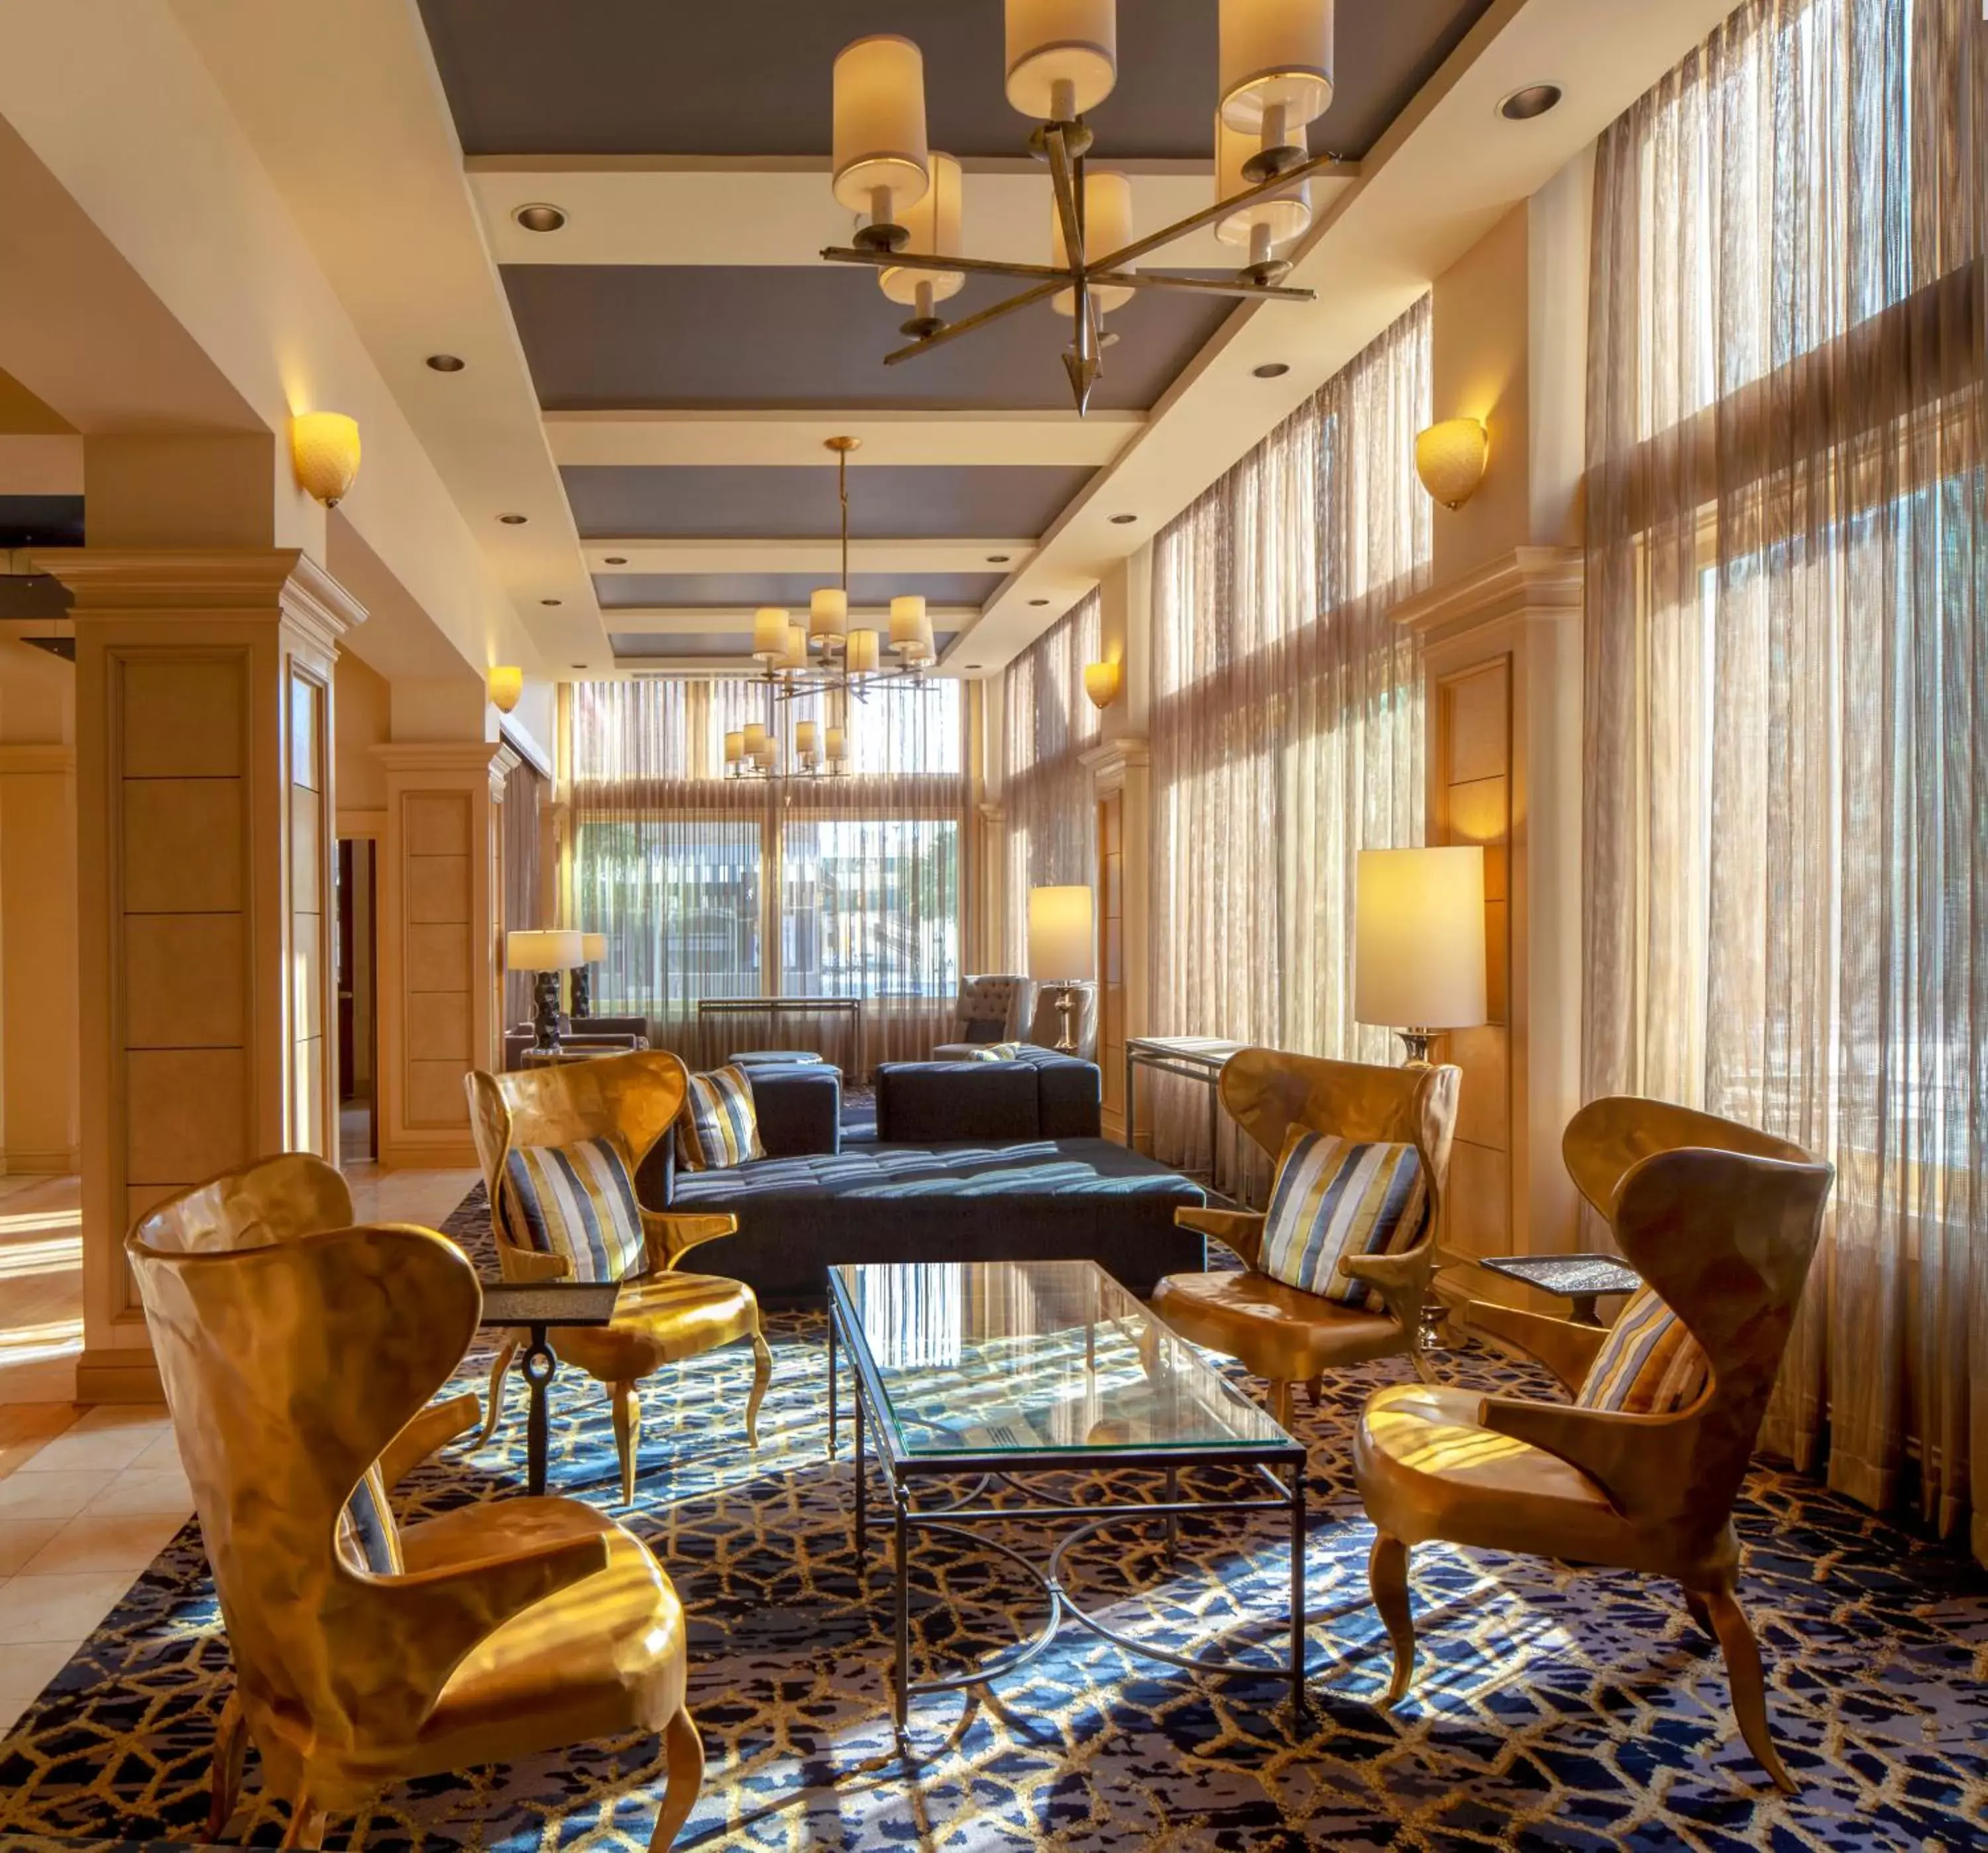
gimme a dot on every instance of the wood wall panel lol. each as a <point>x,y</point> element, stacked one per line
<point>1111,947</point>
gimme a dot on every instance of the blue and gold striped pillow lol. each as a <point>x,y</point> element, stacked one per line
<point>1335,1197</point>
<point>576,1201</point>
<point>1649,1365</point>
<point>368,1539</point>
<point>718,1127</point>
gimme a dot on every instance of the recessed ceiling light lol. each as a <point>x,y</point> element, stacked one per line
<point>1123,521</point>
<point>972,667</point>
<point>549,601</point>
<point>998,560</point>
<point>1038,601</point>
<point>513,521</point>
<point>446,363</point>
<point>1534,100</point>
<point>1271,370</point>
<point>615,560</point>
<point>580,665</point>
<point>540,217</point>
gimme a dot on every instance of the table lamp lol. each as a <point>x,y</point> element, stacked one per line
<point>593,949</point>
<point>1418,942</point>
<point>548,954</point>
<point>1063,949</point>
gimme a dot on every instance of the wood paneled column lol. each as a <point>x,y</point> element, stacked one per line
<point>40,1111</point>
<point>1501,664</point>
<point>204,877</point>
<point>440,965</point>
<point>1121,790</point>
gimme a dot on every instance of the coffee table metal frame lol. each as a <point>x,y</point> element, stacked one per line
<point>538,1307</point>
<point>904,1472</point>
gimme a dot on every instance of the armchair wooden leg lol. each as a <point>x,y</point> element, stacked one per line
<point>306,1827</point>
<point>225,1785</point>
<point>499,1369</point>
<point>1418,1357</point>
<point>1387,1578</point>
<point>684,1750</point>
<point>1749,1684</point>
<point>762,1374</point>
<point>1315,1390</point>
<point>1700,1614</point>
<point>1280,1403</point>
<point>627,1407</point>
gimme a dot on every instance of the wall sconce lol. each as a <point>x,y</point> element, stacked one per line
<point>506,682</point>
<point>324,446</point>
<point>1450,459</point>
<point>1101,682</point>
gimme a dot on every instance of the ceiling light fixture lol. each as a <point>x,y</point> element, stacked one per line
<point>1276,74</point>
<point>1123,521</point>
<point>1534,100</point>
<point>513,521</point>
<point>539,217</point>
<point>615,560</point>
<point>446,363</point>
<point>1038,601</point>
<point>1271,370</point>
<point>998,560</point>
<point>549,601</point>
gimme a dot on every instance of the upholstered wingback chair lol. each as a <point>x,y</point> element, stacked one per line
<point>991,1010</point>
<point>365,1654</point>
<point>1281,1332</point>
<point>1641,1472</point>
<point>664,1315</point>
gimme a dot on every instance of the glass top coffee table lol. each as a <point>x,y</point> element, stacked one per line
<point>983,1372</point>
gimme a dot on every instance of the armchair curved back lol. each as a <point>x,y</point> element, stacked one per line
<point>268,1200</point>
<point>633,1099</point>
<point>288,1366</point>
<point>1267,1091</point>
<point>1722,1220</point>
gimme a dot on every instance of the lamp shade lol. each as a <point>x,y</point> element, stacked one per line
<point>838,749</point>
<point>1100,683</point>
<point>806,734</point>
<point>1073,42</point>
<point>796,653</point>
<point>1274,54</point>
<point>862,658</point>
<point>769,634</point>
<point>735,746</point>
<point>934,223</point>
<point>755,742</point>
<point>880,123</point>
<point>1451,459</point>
<point>828,613</point>
<point>907,622</point>
<point>505,683</point>
<point>543,952</point>
<point>592,947</point>
<point>1063,941</point>
<point>1107,227</point>
<point>324,447</point>
<point>1287,213</point>
<point>1418,938</point>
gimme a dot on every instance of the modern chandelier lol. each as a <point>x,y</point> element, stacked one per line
<point>1275,77</point>
<point>827,656</point>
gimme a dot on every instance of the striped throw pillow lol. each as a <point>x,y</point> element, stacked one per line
<point>1649,1365</point>
<point>368,1539</point>
<point>718,1127</point>
<point>1336,1197</point>
<point>576,1201</point>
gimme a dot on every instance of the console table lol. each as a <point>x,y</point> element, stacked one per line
<point>712,1011</point>
<point>1195,1058</point>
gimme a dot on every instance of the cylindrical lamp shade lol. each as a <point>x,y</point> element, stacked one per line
<point>880,123</point>
<point>862,658</point>
<point>324,447</point>
<point>797,656</point>
<point>828,613</point>
<point>1419,938</point>
<point>543,952</point>
<point>755,741</point>
<point>1073,42</point>
<point>735,747</point>
<point>934,223</point>
<point>805,739</point>
<point>592,947</point>
<point>1450,459</point>
<point>1107,227</point>
<point>907,622</point>
<point>1275,54</point>
<point>838,749</point>
<point>1286,212</point>
<point>1063,939</point>
<point>769,634</point>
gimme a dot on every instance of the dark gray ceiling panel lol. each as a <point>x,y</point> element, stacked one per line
<point>899,501</point>
<point>698,591</point>
<point>605,337</point>
<point>738,643</point>
<point>640,77</point>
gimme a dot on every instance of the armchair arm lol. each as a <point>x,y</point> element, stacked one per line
<point>1242,1229</point>
<point>1565,1348</point>
<point>669,1235</point>
<point>432,1427</point>
<point>1638,1461</point>
<point>527,1267</point>
<point>1401,1280</point>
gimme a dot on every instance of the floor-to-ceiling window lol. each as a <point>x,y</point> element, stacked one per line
<point>847,885</point>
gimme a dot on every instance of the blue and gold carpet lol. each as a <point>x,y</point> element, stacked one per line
<point>1554,1707</point>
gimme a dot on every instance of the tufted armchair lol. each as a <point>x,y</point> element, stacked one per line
<point>991,1010</point>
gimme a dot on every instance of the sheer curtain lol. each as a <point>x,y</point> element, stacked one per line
<point>711,887</point>
<point>1286,732</point>
<point>1788,699</point>
<point>1046,791</point>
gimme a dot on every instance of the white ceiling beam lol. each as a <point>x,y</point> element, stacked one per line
<point>802,556</point>
<point>760,210</point>
<point>757,439</point>
<point>680,620</point>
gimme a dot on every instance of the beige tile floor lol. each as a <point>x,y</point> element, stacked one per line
<point>89,1495</point>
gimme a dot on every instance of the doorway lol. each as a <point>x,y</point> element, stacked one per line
<point>358,1002</point>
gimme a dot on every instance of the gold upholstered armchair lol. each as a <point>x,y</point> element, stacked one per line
<point>367,1654</point>
<point>664,1314</point>
<point>1281,1332</point>
<point>1642,1471</point>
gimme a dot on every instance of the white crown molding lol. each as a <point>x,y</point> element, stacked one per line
<point>1528,581</point>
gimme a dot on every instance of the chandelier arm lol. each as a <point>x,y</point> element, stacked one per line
<point>980,318</point>
<point>1064,185</point>
<point>909,260</point>
<point>1164,279</point>
<point>1117,260</point>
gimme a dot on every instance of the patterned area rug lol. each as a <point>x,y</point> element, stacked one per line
<point>1554,1707</point>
